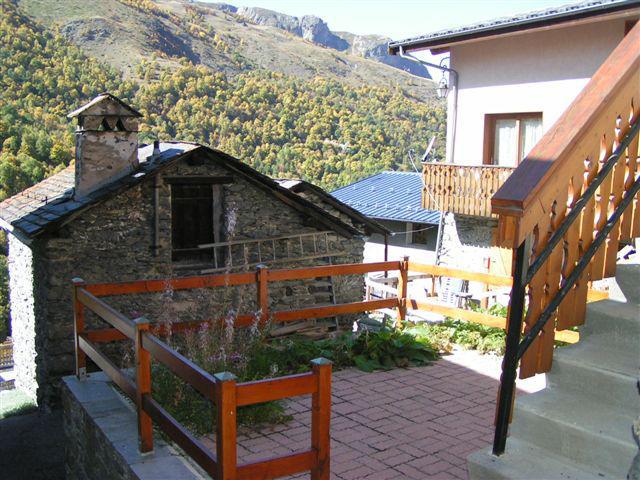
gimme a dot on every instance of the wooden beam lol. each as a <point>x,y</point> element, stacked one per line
<point>330,270</point>
<point>270,389</point>
<point>277,467</point>
<point>190,444</point>
<point>333,310</point>
<point>481,318</point>
<point>182,283</point>
<point>437,270</point>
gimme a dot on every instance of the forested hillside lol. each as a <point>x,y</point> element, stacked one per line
<point>321,129</point>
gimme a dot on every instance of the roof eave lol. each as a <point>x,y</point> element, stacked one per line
<point>446,40</point>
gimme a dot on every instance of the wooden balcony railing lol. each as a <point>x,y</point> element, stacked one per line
<point>565,210</point>
<point>464,189</point>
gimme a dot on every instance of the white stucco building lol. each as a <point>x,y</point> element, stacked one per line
<point>509,80</point>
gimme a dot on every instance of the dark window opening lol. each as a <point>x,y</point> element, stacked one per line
<point>421,233</point>
<point>195,220</point>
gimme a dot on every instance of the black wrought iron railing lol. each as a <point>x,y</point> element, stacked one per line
<point>525,270</point>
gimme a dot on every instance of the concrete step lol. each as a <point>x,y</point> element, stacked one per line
<point>627,283</point>
<point>526,461</point>
<point>578,428</point>
<point>612,322</point>
<point>593,371</point>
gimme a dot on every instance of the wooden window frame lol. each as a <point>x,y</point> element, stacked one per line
<point>490,120</point>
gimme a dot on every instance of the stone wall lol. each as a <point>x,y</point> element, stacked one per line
<point>102,440</point>
<point>113,242</point>
<point>23,317</point>
<point>467,244</point>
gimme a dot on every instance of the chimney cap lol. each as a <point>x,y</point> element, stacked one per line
<point>105,104</point>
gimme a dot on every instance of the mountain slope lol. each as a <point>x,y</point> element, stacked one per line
<point>123,32</point>
<point>315,30</point>
<point>320,129</point>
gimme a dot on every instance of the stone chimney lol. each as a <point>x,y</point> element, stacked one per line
<point>106,142</point>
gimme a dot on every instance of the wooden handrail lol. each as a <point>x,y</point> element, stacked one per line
<point>576,136</point>
<point>536,199</point>
<point>440,271</point>
<point>270,389</point>
<point>278,467</point>
<point>188,371</point>
<point>108,367</point>
<point>179,434</point>
<point>106,312</point>
<point>564,211</point>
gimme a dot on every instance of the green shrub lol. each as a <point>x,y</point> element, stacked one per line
<point>387,349</point>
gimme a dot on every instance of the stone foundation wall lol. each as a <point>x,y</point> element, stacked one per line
<point>467,245</point>
<point>102,440</point>
<point>114,242</point>
<point>466,241</point>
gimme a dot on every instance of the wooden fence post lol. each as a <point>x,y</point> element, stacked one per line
<point>262,279</point>
<point>143,386</point>
<point>402,292</point>
<point>226,434</point>
<point>321,420</point>
<point>78,328</point>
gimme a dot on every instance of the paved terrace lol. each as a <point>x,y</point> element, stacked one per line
<point>404,424</point>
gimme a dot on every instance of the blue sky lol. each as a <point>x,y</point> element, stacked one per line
<point>399,19</point>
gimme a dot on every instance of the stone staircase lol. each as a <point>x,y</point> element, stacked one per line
<point>580,426</point>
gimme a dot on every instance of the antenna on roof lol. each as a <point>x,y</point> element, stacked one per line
<point>425,155</point>
<point>427,152</point>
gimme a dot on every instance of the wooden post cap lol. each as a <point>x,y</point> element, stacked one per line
<point>225,377</point>
<point>321,361</point>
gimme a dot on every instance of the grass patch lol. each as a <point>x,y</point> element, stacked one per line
<point>14,402</point>
<point>470,336</point>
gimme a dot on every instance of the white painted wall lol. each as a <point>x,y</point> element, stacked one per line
<point>533,72</point>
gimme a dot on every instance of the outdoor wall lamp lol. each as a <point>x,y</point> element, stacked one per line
<point>443,87</point>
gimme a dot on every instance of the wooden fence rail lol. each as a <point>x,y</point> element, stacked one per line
<point>222,389</point>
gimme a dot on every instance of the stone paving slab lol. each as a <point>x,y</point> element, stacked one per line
<point>411,423</point>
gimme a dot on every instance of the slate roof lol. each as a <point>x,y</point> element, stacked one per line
<point>517,22</point>
<point>50,203</point>
<point>389,196</point>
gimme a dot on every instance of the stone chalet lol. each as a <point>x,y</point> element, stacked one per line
<point>127,211</point>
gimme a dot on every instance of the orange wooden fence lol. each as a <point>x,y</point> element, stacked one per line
<point>222,389</point>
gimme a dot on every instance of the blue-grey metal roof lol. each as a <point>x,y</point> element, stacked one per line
<point>517,22</point>
<point>389,196</point>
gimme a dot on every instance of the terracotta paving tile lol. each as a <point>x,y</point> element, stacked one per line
<point>416,423</point>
